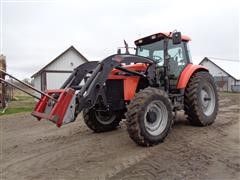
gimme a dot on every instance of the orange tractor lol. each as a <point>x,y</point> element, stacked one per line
<point>146,89</point>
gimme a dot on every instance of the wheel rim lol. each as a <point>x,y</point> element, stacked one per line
<point>207,99</point>
<point>156,118</point>
<point>105,117</point>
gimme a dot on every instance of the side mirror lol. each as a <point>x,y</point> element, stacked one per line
<point>119,51</point>
<point>176,37</point>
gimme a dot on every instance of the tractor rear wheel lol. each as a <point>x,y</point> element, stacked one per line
<point>201,99</point>
<point>101,121</point>
<point>149,117</point>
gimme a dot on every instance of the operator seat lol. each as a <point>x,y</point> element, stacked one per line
<point>173,64</point>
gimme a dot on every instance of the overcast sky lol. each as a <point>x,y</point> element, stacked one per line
<point>34,32</point>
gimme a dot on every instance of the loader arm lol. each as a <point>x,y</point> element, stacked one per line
<point>73,97</point>
<point>93,88</point>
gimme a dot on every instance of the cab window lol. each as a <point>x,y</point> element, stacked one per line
<point>178,58</point>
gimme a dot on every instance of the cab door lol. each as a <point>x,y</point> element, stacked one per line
<point>178,60</point>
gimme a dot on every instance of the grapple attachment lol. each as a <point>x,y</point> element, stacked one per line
<point>59,111</point>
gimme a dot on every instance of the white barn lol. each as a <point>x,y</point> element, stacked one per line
<point>56,72</point>
<point>225,81</point>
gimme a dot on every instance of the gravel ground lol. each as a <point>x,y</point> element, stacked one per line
<point>39,150</point>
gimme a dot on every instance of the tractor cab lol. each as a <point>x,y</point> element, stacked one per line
<point>167,50</point>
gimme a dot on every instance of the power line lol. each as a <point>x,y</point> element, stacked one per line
<point>224,59</point>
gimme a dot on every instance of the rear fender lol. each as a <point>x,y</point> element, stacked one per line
<point>186,74</point>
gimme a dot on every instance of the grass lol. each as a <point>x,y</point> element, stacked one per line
<point>21,103</point>
<point>16,110</point>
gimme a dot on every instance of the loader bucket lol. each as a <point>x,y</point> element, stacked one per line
<point>60,111</point>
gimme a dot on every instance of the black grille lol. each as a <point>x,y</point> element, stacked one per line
<point>114,90</point>
<point>115,94</point>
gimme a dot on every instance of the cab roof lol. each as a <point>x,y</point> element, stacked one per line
<point>157,37</point>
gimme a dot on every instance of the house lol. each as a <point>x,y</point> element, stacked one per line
<point>53,75</point>
<point>225,77</point>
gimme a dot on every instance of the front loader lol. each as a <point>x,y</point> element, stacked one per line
<point>146,89</point>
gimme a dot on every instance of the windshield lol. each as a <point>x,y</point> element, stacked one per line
<point>153,51</point>
<point>177,55</point>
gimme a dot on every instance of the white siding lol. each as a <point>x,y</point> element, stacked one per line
<point>55,80</point>
<point>218,72</point>
<point>37,85</point>
<point>213,69</point>
<point>67,62</point>
<point>231,82</point>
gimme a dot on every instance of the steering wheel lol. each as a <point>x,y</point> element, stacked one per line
<point>157,58</point>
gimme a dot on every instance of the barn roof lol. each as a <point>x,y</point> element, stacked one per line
<point>232,67</point>
<point>55,59</point>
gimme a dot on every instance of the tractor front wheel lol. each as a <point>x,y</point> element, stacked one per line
<point>201,99</point>
<point>149,117</point>
<point>101,121</point>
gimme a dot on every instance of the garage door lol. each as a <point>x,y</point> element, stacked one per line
<point>55,80</point>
